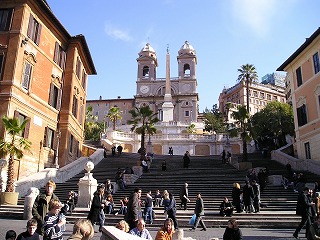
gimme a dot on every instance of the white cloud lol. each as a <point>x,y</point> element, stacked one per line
<point>257,14</point>
<point>117,33</point>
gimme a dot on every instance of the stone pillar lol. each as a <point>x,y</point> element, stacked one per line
<point>28,202</point>
<point>87,186</point>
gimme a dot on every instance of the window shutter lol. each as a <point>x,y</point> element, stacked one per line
<point>30,26</point>
<point>37,40</point>
<point>59,99</point>
<point>51,94</point>
<point>56,53</point>
<point>45,137</point>
<point>27,128</point>
<point>55,140</point>
<point>63,60</point>
<point>16,114</point>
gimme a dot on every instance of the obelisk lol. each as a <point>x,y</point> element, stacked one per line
<point>167,106</point>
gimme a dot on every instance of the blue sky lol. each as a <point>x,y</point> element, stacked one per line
<point>225,34</point>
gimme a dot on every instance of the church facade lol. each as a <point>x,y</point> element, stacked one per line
<point>183,89</point>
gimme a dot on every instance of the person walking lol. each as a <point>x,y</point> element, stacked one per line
<point>148,202</point>
<point>96,213</point>
<point>133,208</point>
<point>170,208</point>
<point>186,159</point>
<point>184,196</point>
<point>41,205</point>
<point>304,210</point>
<point>199,211</point>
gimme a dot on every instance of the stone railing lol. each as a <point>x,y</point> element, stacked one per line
<point>309,165</point>
<point>60,175</point>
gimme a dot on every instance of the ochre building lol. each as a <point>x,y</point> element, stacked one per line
<point>43,77</point>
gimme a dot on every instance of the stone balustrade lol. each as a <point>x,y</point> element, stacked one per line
<point>60,175</point>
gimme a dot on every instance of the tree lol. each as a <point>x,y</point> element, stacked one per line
<point>249,75</point>
<point>213,119</point>
<point>14,146</point>
<point>241,127</point>
<point>191,128</point>
<point>272,124</point>
<point>92,128</point>
<point>143,120</point>
<point>114,114</point>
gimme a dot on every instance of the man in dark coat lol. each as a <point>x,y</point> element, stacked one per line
<point>226,208</point>
<point>199,211</point>
<point>184,196</point>
<point>248,197</point>
<point>40,205</point>
<point>133,208</point>
<point>186,160</point>
<point>304,210</point>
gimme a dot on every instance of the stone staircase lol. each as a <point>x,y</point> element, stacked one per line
<point>206,174</point>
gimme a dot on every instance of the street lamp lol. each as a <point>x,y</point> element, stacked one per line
<point>56,161</point>
<point>215,141</point>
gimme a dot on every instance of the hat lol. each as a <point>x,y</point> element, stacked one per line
<point>11,234</point>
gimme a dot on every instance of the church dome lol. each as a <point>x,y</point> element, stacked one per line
<point>147,48</point>
<point>187,45</point>
<point>187,48</point>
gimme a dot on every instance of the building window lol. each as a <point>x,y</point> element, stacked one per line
<point>255,94</point>
<point>316,63</point>
<point>59,56</point>
<point>160,114</point>
<point>48,138</point>
<point>71,140</point>
<point>307,150</point>
<point>78,68</point>
<point>262,95</point>
<point>55,96</point>
<point>75,106</point>
<point>299,76</point>
<point>145,71</point>
<point>26,77</point>
<point>302,115</point>
<point>1,64</point>
<point>22,118</point>
<point>5,19</point>
<point>268,97</point>
<point>84,79</point>
<point>34,30</point>
<point>187,113</point>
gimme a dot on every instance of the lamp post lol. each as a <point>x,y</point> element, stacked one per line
<point>56,161</point>
<point>215,142</point>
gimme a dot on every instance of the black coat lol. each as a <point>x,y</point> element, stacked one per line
<point>303,205</point>
<point>232,234</point>
<point>95,208</point>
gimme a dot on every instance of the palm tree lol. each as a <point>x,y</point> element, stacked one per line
<point>143,120</point>
<point>14,147</point>
<point>249,75</point>
<point>242,125</point>
<point>114,114</point>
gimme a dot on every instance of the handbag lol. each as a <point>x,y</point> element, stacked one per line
<point>192,219</point>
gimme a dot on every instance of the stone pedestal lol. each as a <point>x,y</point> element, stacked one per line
<point>87,186</point>
<point>28,202</point>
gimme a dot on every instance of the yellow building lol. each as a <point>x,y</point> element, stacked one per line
<point>43,78</point>
<point>303,88</point>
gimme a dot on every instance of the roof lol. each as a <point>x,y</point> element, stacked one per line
<point>45,6</point>
<point>299,50</point>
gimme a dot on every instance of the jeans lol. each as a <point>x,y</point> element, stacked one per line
<point>148,214</point>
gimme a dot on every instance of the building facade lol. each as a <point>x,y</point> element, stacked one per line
<point>43,78</point>
<point>100,109</point>
<point>259,96</point>
<point>303,89</point>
